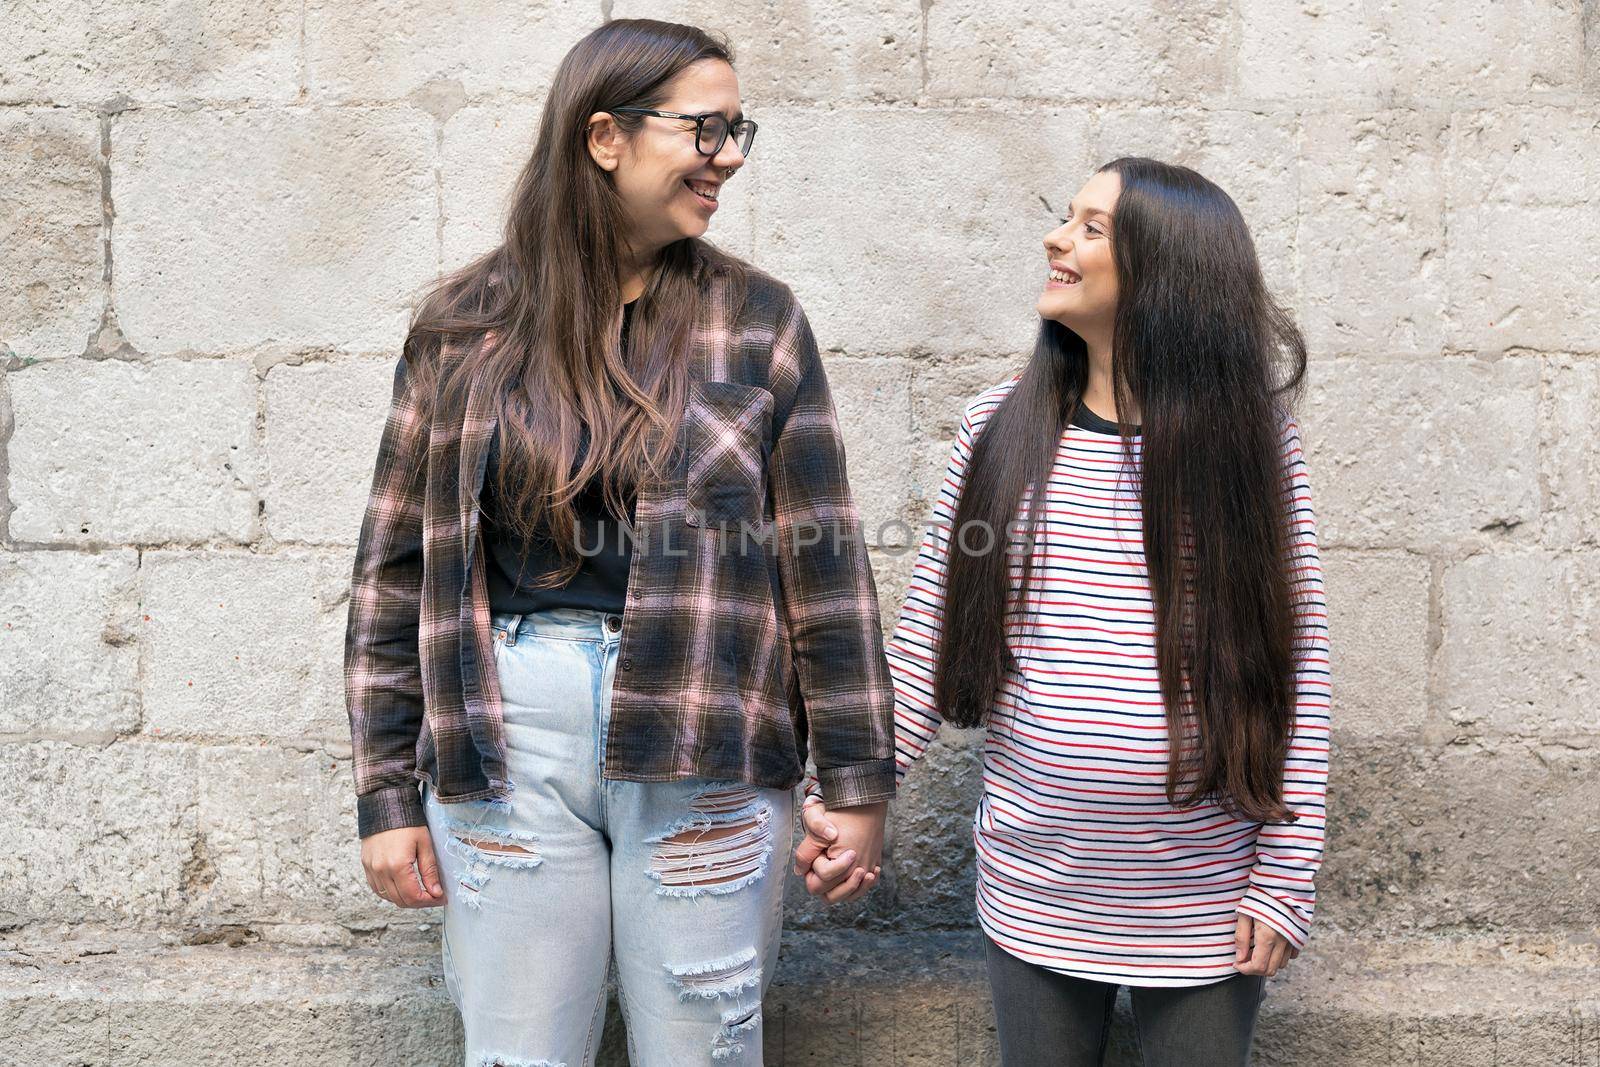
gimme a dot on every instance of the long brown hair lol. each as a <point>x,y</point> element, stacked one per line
<point>1211,362</point>
<point>547,302</point>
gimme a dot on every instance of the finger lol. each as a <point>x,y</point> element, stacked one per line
<point>814,817</point>
<point>807,853</point>
<point>409,886</point>
<point>1280,956</point>
<point>868,880</point>
<point>428,868</point>
<point>1261,952</point>
<point>832,868</point>
<point>1242,931</point>
<point>847,887</point>
<point>1294,953</point>
<point>384,885</point>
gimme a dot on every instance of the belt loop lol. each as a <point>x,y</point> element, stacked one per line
<point>511,630</point>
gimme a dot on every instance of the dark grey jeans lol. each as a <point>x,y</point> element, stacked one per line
<point>1045,1018</point>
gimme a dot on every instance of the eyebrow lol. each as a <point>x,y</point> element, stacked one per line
<point>1073,206</point>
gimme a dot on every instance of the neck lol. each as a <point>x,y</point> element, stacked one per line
<point>635,275</point>
<point>1100,391</point>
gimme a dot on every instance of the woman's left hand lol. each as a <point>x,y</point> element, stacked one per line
<point>1259,949</point>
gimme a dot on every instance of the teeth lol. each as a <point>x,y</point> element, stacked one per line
<point>709,194</point>
<point>1062,276</point>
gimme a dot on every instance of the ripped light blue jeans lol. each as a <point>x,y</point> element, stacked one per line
<point>683,880</point>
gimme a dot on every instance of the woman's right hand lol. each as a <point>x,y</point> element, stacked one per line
<point>401,867</point>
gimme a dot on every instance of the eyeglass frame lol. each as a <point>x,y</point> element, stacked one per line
<point>699,126</point>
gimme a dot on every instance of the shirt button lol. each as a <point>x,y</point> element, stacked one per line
<point>627,664</point>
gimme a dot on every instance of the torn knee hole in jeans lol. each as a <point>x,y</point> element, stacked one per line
<point>719,978</point>
<point>722,844</point>
<point>737,1024</point>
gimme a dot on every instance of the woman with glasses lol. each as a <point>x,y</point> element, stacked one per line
<point>610,587</point>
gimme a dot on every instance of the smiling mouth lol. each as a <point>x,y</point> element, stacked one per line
<point>1064,277</point>
<point>704,190</point>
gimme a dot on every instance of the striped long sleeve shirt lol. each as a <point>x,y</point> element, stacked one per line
<point>1084,866</point>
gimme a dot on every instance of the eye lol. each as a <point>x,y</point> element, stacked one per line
<point>1095,230</point>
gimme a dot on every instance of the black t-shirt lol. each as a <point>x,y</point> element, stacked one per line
<point>604,552</point>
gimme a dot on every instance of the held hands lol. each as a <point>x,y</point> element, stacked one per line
<point>841,852</point>
<point>1259,949</point>
<point>401,867</point>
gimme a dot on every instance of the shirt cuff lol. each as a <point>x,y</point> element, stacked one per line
<point>857,783</point>
<point>389,808</point>
<point>1264,907</point>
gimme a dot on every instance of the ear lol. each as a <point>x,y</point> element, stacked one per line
<point>605,139</point>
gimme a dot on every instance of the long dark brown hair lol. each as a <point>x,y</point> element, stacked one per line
<point>547,302</point>
<point>1212,363</point>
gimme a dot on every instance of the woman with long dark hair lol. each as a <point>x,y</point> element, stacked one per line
<point>1121,584</point>
<point>610,586</point>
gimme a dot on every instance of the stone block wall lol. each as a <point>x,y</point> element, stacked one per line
<point>215,219</point>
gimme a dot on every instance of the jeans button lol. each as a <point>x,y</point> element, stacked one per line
<point>613,623</point>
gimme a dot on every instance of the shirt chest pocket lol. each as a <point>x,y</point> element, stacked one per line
<point>726,428</point>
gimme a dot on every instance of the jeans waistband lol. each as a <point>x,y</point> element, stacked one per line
<point>572,624</point>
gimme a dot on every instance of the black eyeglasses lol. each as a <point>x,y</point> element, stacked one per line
<point>711,130</point>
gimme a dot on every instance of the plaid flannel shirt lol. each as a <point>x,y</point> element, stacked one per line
<point>751,622</point>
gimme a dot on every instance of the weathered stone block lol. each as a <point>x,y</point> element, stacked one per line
<point>1571,464</point>
<point>799,51</point>
<point>1437,838</point>
<point>1541,290</point>
<point>277,842</point>
<point>873,398</point>
<point>80,473</point>
<point>85,52</point>
<point>1521,643</point>
<point>96,832</point>
<point>323,425</point>
<point>68,661</point>
<point>245,645</point>
<point>946,256</point>
<point>1341,48</point>
<point>1423,455</point>
<point>1524,155</point>
<point>1102,50</point>
<point>319,242</point>
<point>387,49</point>
<point>1379,627</point>
<point>1371,233</point>
<point>50,228</point>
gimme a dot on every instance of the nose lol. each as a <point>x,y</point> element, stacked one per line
<point>729,157</point>
<point>1057,240</point>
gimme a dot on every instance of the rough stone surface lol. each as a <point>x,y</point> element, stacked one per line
<point>1424,454</point>
<point>792,50</point>
<point>1371,181</point>
<point>864,277</point>
<point>87,51</point>
<point>1524,651</point>
<point>68,662</point>
<point>388,49</point>
<point>79,476</point>
<point>1104,50</point>
<point>323,425</point>
<point>1493,836</point>
<point>244,645</point>
<point>50,230</point>
<point>1428,49</point>
<point>1378,628</point>
<point>301,227</point>
<point>1571,473</point>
